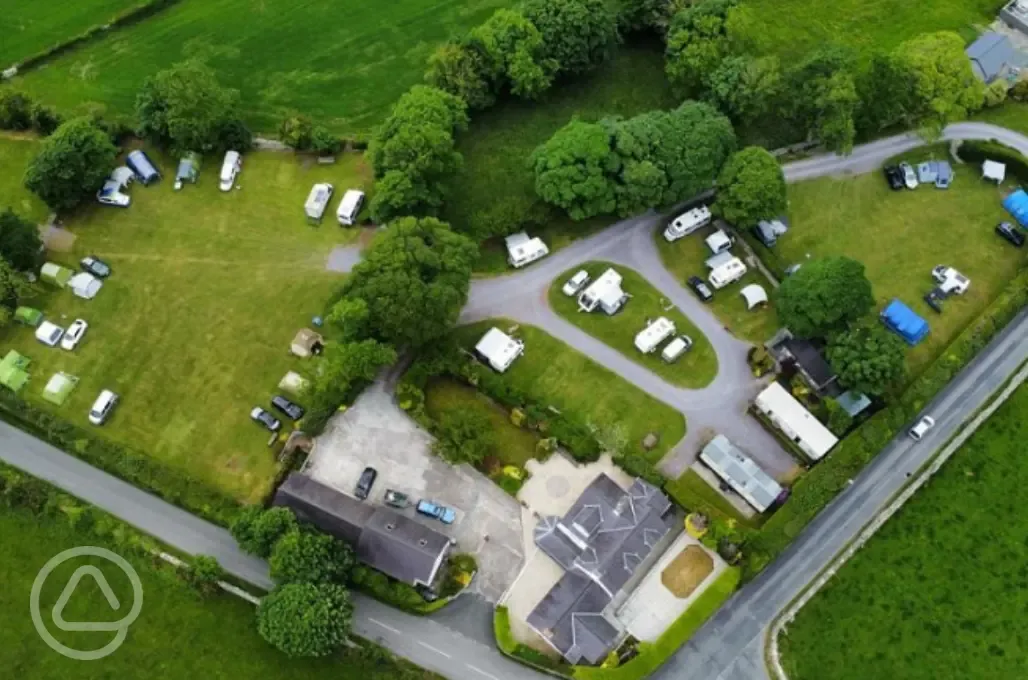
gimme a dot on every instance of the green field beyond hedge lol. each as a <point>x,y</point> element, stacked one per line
<point>940,592</point>
<point>30,27</point>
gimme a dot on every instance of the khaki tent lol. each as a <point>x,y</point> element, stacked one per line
<point>56,274</point>
<point>306,343</point>
<point>293,382</point>
<point>12,371</point>
<point>59,387</point>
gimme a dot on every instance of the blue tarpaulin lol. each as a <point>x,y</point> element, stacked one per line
<point>903,321</point>
<point>1017,205</point>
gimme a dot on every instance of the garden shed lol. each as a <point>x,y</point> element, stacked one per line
<point>903,321</point>
<point>56,274</point>
<point>1017,205</point>
<point>13,373</point>
<point>59,387</point>
<point>307,342</point>
<point>30,316</point>
<point>85,286</point>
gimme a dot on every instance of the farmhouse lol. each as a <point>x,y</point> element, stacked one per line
<point>741,473</point>
<point>605,293</point>
<point>795,422</point>
<point>498,349</point>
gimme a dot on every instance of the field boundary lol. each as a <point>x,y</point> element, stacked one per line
<point>772,652</point>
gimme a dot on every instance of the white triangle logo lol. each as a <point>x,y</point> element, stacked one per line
<point>62,601</point>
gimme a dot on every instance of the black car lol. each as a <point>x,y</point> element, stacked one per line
<point>292,410</point>
<point>894,176</point>
<point>1010,233</point>
<point>264,418</point>
<point>365,483</point>
<point>934,300</point>
<point>95,266</point>
<point>701,289</point>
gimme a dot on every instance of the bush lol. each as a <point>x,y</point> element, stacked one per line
<point>258,530</point>
<point>305,556</point>
<point>45,120</point>
<point>204,574</point>
<point>296,131</point>
<point>15,110</point>
<point>324,142</point>
<point>463,437</point>
<point>304,619</point>
<point>379,586</point>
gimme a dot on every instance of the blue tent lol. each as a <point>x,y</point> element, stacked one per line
<point>1017,205</point>
<point>903,321</point>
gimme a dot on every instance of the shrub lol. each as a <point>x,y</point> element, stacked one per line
<point>204,574</point>
<point>305,556</point>
<point>395,593</point>
<point>324,142</point>
<point>45,119</point>
<point>463,437</point>
<point>304,619</point>
<point>15,110</point>
<point>258,530</point>
<point>296,131</point>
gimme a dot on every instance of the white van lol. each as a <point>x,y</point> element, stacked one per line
<point>350,207</point>
<point>727,273</point>
<point>102,407</point>
<point>687,223</point>
<point>230,168</point>
<point>656,332</point>
<point>676,348</point>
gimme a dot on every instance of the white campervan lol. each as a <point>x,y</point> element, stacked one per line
<point>230,167</point>
<point>727,273</point>
<point>687,223</point>
<point>656,332</point>
<point>350,207</point>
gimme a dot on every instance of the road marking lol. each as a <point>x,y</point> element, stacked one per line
<point>437,651</point>
<point>481,672</point>
<point>389,628</point>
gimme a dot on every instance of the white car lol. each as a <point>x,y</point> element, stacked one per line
<point>909,176</point>
<point>950,280</point>
<point>576,283</point>
<point>917,432</point>
<point>74,334</point>
<point>49,334</point>
<point>102,407</point>
<point>111,194</point>
<point>230,167</point>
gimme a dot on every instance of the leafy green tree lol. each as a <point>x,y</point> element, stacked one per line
<point>257,530</point>
<point>574,170</point>
<point>576,34</point>
<point>464,437</point>
<point>945,88</point>
<point>886,91</point>
<point>306,619</point>
<point>697,41</point>
<point>868,358</point>
<point>513,47</point>
<point>414,278</point>
<point>824,296</point>
<point>398,194</point>
<point>304,556</point>
<point>71,165</point>
<point>296,131</point>
<point>821,95</point>
<point>324,142</point>
<point>751,187</point>
<point>20,243</point>
<point>350,316</point>
<point>233,134</point>
<point>461,69</point>
<point>185,108</point>
<point>635,16</point>
<point>13,286</point>
<point>745,88</point>
<point>15,110</point>
<point>345,363</point>
<point>204,574</point>
<point>995,93</point>
<point>45,119</point>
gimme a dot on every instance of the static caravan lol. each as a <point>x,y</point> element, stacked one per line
<point>522,250</point>
<point>605,293</point>
<point>727,273</point>
<point>145,170</point>
<point>498,349</point>
<point>317,201</point>
<point>350,207</point>
<point>687,223</point>
<point>658,330</point>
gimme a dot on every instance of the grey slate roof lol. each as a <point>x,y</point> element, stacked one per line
<point>600,542</point>
<point>992,55</point>
<point>383,539</point>
<point>811,362</point>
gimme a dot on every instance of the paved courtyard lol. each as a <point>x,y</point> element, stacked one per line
<point>375,432</point>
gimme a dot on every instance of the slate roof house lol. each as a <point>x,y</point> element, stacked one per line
<point>805,357</point>
<point>606,543</point>
<point>383,539</point>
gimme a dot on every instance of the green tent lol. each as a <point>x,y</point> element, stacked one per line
<point>29,316</point>
<point>12,371</point>
<point>56,274</point>
<point>59,387</point>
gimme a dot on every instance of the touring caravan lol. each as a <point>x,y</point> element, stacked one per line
<point>656,332</point>
<point>727,273</point>
<point>605,293</point>
<point>522,250</point>
<point>350,207</point>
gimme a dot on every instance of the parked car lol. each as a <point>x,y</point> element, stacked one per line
<point>293,410</point>
<point>576,283</point>
<point>917,432</point>
<point>365,482</point>
<point>49,333</point>
<point>230,167</point>
<point>909,175</point>
<point>74,334</point>
<point>396,499</point>
<point>700,287</point>
<point>102,407</point>
<point>676,348</point>
<point>110,194</point>
<point>1010,233</point>
<point>95,266</point>
<point>764,234</point>
<point>894,177</point>
<point>440,512</point>
<point>265,419</point>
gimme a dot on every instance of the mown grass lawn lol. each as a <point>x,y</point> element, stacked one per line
<point>696,368</point>
<point>15,154</point>
<point>686,256</point>
<point>343,63</point>
<point>899,236</point>
<point>694,494</point>
<point>177,635</point>
<point>31,27</point>
<point>193,327</point>
<point>940,592</point>
<point>563,378</point>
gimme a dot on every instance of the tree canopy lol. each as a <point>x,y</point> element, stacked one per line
<point>945,87</point>
<point>868,358</point>
<point>257,530</point>
<point>751,187</point>
<point>71,165</point>
<point>697,41</point>
<point>305,556</point>
<point>576,34</point>
<point>306,619</point>
<point>573,170</point>
<point>461,68</point>
<point>744,87</point>
<point>20,243</point>
<point>514,49</point>
<point>823,296</point>
<point>414,278</point>
<point>823,97</point>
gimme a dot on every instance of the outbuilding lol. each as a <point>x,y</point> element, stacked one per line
<point>757,487</point>
<point>903,321</point>
<point>605,293</point>
<point>498,349</point>
<point>795,422</point>
<point>317,201</point>
<point>522,249</point>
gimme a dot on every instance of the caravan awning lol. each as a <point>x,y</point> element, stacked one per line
<point>754,295</point>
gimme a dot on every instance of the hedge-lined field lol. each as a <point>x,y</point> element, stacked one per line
<point>30,27</point>
<point>15,154</point>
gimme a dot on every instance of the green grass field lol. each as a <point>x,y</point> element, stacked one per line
<point>343,63</point>
<point>193,328</point>
<point>30,27</point>
<point>695,369</point>
<point>178,636</point>
<point>685,258</point>
<point>15,154</point>
<point>939,593</point>
<point>561,377</point>
<point>900,236</point>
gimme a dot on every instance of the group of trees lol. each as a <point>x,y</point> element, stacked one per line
<point>309,612</point>
<point>301,133</point>
<point>628,166</point>
<point>19,112</point>
<point>71,164</point>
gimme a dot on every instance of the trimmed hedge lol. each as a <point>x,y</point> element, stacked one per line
<point>976,152</point>
<point>523,653</point>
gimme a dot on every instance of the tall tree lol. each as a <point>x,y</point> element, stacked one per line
<point>868,358</point>
<point>821,95</point>
<point>574,170</point>
<point>576,34</point>
<point>514,48</point>
<point>305,556</point>
<point>257,530</point>
<point>71,165</point>
<point>306,619</point>
<point>886,90</point>
<point>745,88</point>
<point>751,187</point>
<point>20,243</point>
<point>824,296</point>
<point>15,110</point>
<point>13,287</point>
<point>697,41</point>
<point>460,68</point>
<point>945,88</point>
<point>415,279</point>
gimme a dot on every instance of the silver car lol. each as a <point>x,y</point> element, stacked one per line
<point>909,176</point>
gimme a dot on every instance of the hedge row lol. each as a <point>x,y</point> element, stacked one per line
<point>827,479</point>
<point>404,596</point>
<point>132,466</point>
<point>977,152</point>
<point>523,653</point>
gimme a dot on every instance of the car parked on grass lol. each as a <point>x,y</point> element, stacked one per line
<point>700,287</point>
<point>365,482</point>
<point>102,407</point>
<point>396,499</point>
<point>49,333</point>
<point>576,283</point>
<point>909,175</point>
<point>95,266</point>
<point>917,432</point>
<point>894,177</point>
<point>265,419</point>
<point>292,410</point>
<point>1010,233</point>
<point>110,194</point>
<point>74,334</point>
<point>676,348</point>
<point>440,512</point>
